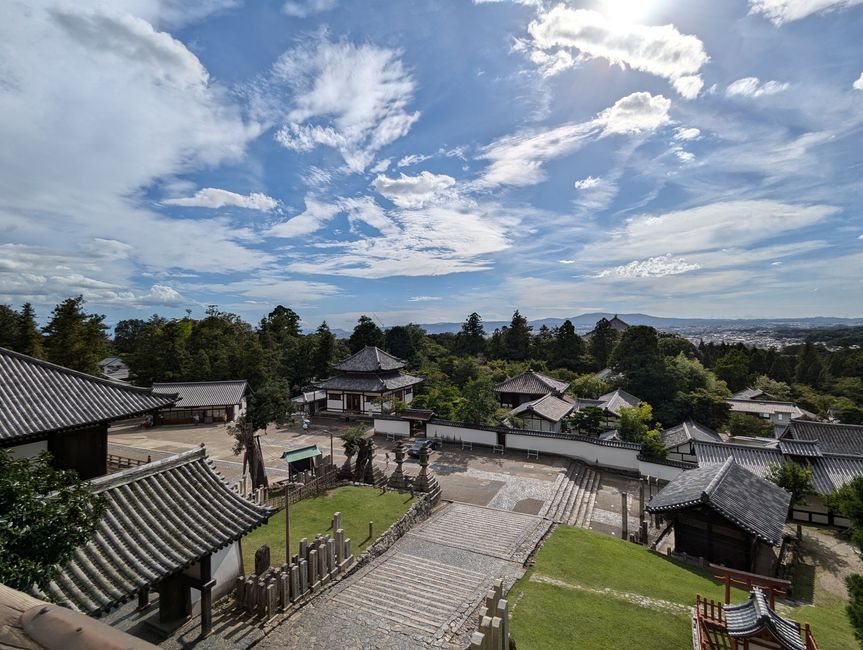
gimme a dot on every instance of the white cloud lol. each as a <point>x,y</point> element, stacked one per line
<point>423,298</point>
<point>752,87</point>
<point>684,133</point>
<point>303,8</point>
<point>364,209</point>
<point>518,159</point>
<point>858,85</point>
<point>381,166</point>
<point>587,183</point>
<point>684,156</point>
<point>358,95</point>
<point>160,294</point>
<point>786,11</point>
<point>211,197</point>
<point>659,50</point>
<point>654,267</point>
<point>416,191</point>
<point>412,159</point>
<point>567,261</point>
<point>316,215</point>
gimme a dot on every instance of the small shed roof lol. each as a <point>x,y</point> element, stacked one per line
<point>38,398</point>
<point>161,517</point>
<point>201,394</point>
<point>752,503</point>
<point>548,407</point>
<point>301,453</point>
<point>806,448</point>
<point>754,616</point>
<point>370,359</point>
<point>418,415</point>
<point>686,431</point>
<point>531,383</point>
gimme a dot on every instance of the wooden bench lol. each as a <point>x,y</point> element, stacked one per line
<point>466,445</point>
<point>533,453</point>
<point>497,449</point>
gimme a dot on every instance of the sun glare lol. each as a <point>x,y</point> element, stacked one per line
<point>625,11</point>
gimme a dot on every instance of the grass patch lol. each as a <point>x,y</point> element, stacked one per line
<point>358,505</point>
<point>552,616</point>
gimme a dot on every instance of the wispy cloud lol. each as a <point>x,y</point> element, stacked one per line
<point>786,11</point>
<point>752,87</point>
<point>653,267</point>
<point>304,8</point>
<point>416,191</point>
<point>211,197</point>
<point>423,298</point>
<point>658,50</point>
<point>858,84</point>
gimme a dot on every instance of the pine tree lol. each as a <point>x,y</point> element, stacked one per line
<point>28,339</point>
<point>809,366</point>
<point>75,339</point>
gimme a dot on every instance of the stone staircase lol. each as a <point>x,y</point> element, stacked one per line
<point>574,496</point>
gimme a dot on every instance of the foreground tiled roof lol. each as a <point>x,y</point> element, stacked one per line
<point>752,503</point>
<point>549,407</point>
<point>686,431</point>
<point>370,359</point>
<point>749,618</point>
<point>617,399</point>
<point>832,438</point>
<point>200,394</point>
<point>161,517</point>
<point>37,398</point>
<point>531,383</point>
<point>369,383</point>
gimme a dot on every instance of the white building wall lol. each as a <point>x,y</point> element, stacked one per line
<point>456,433</point>
<point>614,457</point>
<point>393,427</point>
<point>657,470</point>
<point>28,450</point>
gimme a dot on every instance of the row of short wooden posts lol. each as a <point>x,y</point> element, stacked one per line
<point>493,633</point>
<point>318,562</point>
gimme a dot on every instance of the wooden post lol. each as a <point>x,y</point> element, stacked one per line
<point>624,516</point>
<point>206,595</point>
<point>371,530</point>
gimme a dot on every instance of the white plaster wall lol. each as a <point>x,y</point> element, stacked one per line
<point>225,566</point>
<point>28,450</point>
<point>334,405</point>
<point>394,427</point>
<point>615,457</point>
<point>447,432</point>
<point>657,470</point>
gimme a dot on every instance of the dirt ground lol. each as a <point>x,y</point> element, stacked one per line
<point>834,556</point>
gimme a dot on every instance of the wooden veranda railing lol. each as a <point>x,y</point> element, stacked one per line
<point>116,462</point>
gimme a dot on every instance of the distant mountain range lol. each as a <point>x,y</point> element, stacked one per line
<point>583,323</point>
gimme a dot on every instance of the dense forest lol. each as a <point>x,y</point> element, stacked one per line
<point>675,377</point>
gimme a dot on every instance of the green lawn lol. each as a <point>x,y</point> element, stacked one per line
<point>358,505</point>
<point>601,577</point>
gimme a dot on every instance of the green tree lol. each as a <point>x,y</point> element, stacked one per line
<point>634,422</point>
<point>471,338</point>
<point>809,366</point>
<point>365,333</point>
<point>246,442</point>
<point>589,386</point>
<point>773,389</point>
<point>602,341</point>
<point>706,406</point>
<point>568,348</point>
<point>586,421</point>
<point>351,440</point>
<point>324,353</point>
<point>479,402</point>
<point>516,340</point>
<point>45,514</point>
<point>126,333</point>
<point>28,338</point>
<point>280,324</point>
<point>848,501</point>
<point>733,368</point>
<point>741,424</point>
<point>652,445</point>
<point>8,327</point>
<point>75,339</point>
<point>794,478</point>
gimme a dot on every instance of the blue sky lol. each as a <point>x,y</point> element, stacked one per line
<point>422,160</point>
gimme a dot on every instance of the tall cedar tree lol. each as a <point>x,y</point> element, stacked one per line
<point>568,347</point>
<point>602,341</point>
<point>516,341</point>
<point>733,368</point>
<point>45,514</point>
<point>809,366</point>
<point>365,333</point>
<point>28,338</point>
<point>75,339</point>
<point>471,338</point>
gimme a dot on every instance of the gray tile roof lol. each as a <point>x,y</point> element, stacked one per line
<point>370,359</point>
<point>369,383</point>
<point>807,448</point>
<point>161,517</point>
<point>200,394</point>
<point>752,503</point>
<point>759,406</point>
<point>616,400</point>
<point>752,617</point>
<point>548,407</point>
<point>686,431</point>
<point>531,383</point>
<point>832,438</point>
<point>748,393</point>
<point>37,398</point>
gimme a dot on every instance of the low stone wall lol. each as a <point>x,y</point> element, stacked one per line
<point>418,512</point>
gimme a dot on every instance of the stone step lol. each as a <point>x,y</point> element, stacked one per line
<point>459,540</point>
<point>548,509</point>
<point>472,529</point>
<point>586,511</point>
<point>442,597</point>
<point>406,618</point>
<point>413,566</point>
<point>583,497</point>
<point>566,494</point>
<point>574,496</point>
<point>594,490</point>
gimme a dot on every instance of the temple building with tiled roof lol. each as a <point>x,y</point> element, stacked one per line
<point>545,414</point>
<point>204,402</point>
<point>45,407</point>
<point>527,387</point>
<point>366,381</point>
<point>172,526</point>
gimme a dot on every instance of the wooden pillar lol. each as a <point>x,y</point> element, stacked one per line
<point>143,598</point>
<point>173,603</point>
<point>207,584</point>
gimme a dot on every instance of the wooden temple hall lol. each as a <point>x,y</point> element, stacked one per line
<point>726,515</point>
<point>171,526</point>
<point>45,407</point>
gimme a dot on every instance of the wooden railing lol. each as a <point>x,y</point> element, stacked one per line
<point>124,462</point>
<point>810,640</point>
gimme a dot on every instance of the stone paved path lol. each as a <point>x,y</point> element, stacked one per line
<point>423,591</point>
